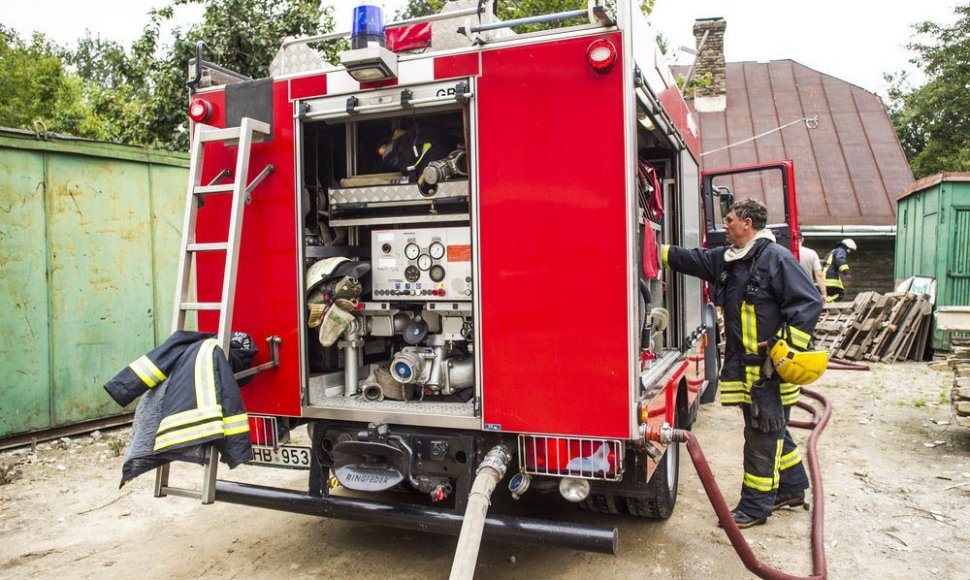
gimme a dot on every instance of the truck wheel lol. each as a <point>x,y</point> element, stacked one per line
<point>658,499</point>
<point>661,493</point>
<point>604,503</point>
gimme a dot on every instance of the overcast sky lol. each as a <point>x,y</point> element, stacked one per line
<point>855,40</point>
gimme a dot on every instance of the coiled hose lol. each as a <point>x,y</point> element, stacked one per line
<point>816,425</point>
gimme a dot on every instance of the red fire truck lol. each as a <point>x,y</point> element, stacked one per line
<point>445,244</point>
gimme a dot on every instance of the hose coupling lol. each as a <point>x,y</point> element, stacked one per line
<point>664,434</point>
<point>497,458</point>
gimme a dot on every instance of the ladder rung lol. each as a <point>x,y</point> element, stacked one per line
<point>207,189</point>
<point>201,305</point>
<point>230,134</point>
<point>181,492</point>
<point>208,247</point>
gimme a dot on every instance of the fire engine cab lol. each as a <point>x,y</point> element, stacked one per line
<point>445,245</point>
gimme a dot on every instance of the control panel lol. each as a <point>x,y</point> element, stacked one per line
<point>422,264</point>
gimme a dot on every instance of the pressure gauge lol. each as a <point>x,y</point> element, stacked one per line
<point>437,273</point>
<point>437,250</point>
<point>424,262</point>
<point>411,274</point>
<point>411,251</point>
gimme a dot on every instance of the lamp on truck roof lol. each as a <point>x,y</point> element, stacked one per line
<point>368,60</point>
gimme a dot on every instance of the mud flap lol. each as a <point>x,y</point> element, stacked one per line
<point>366,466</point>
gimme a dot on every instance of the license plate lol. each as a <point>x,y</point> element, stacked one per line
<point>295,456</point>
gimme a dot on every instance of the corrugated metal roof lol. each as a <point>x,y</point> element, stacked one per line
<point>931,180</point>
<point>848,169</point>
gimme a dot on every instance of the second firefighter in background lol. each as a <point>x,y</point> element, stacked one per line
<point>766,297</point>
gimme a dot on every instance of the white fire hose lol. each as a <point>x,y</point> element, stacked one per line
<point>490,472</point>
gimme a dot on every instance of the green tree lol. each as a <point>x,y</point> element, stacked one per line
<point>415,8</point>
<point>933,120</point>
<point>39,93</point>
<point>243,35</point>
<point>139,96</point>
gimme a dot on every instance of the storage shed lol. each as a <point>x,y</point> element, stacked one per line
<point>89,239</point>
<point>933,238</point>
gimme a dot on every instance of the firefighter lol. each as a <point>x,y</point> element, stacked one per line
<point>837,269</point>
<point>808,258</point>
<point>767,301</point>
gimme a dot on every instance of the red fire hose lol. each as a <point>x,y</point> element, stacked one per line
<point>816,425</point>
<point>846,365</point>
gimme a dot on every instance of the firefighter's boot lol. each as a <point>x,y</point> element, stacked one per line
<point>794,499</point>
<point>743,520</point>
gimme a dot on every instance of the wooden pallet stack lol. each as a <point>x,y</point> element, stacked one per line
<point>959,361</point>
<point>877,327</point>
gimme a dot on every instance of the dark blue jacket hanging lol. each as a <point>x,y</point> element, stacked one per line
<point>189,400</point>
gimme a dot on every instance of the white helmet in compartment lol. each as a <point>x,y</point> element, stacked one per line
<point>328,268</point>
<point>322,270</point>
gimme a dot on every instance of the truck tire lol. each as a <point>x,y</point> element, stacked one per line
<point>661,496</point>
<point>655,502</point>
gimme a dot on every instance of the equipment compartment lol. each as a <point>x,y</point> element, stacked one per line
<point>388,265</point>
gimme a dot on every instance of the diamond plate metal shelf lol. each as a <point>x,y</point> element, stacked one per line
<point>379,196</point>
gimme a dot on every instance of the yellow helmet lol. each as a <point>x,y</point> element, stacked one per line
<point>798,368</point>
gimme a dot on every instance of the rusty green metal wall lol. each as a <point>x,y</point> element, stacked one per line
<point>933,239</point>
<point>89,236</point>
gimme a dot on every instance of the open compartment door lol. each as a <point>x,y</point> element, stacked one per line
<point>773,184</point>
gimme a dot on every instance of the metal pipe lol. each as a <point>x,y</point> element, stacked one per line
<point>558,16</point>
<point>419,19</point>
<point>490,472</point>
<point>817,424</point>
<point>351,359</point>
<point>508,529</point>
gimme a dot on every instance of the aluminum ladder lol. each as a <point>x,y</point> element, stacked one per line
<point>243,136</point>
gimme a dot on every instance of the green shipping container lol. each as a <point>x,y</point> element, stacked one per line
<point>89,243</point>
<point>933,238</point>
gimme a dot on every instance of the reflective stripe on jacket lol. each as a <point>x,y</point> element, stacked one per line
<point>785,304</point>
<point>189,399</point>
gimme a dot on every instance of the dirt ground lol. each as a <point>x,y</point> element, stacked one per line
<point>896,478</point>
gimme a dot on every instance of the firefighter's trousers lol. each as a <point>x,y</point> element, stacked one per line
<point>772,467</point>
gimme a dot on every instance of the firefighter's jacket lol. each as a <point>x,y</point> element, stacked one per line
<point>775,299</point>
<point>189,400</point>
<point>835,266</point>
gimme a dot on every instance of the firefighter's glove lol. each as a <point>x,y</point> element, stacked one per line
<point>335,321</point>
<point>317,311</point>
<point>767,413</point>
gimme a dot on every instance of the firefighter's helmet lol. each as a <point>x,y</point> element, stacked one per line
<point>849,244</point>
<point>336,267</point>
<point>322,270</point>
<point>797,367</point>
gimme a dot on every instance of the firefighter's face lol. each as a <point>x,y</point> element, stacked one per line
<point>738,231</point>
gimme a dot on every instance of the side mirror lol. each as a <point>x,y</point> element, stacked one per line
<point>726,199</point>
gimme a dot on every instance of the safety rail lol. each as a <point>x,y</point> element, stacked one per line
<point>577,457</point>
<point>596,11</point>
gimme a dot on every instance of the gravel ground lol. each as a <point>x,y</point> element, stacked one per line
<point>895,470</point>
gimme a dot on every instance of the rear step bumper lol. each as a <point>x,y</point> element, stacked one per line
<point>498,528</point>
